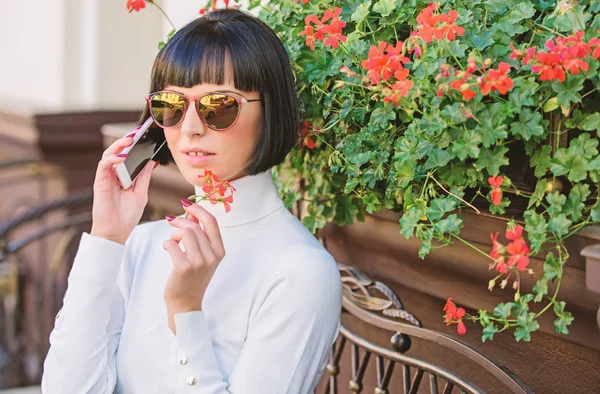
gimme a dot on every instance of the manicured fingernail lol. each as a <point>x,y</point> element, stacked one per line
<point>169,217</point>
<point>129,135</point>
<point>185,202</point>
<point>122,155</point>
<point>156,164</point>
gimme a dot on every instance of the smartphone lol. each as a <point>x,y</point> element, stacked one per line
<point>139,154</point>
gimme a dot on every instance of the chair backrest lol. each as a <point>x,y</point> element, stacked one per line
<point>377,305</point>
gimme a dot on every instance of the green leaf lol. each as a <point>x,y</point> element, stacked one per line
<point>527,325</point>
<point>438,158</point>
<point>493,160</point>
<point>572,20</point>
<point>540,289</point>
<point>345,211</point>
<point>503,310</point>
<point>411,217</point>
<point>541,160</point>
<point>556,201</point>
<point>529,124</point>
<point>552,267</point>
<point>595,213</point>
<point>564,318</point>
<point>565,162</point>
<point>559,225</point>
<point>439,207</point>
<point>361,12</point>
<point>591,122</point>
<point>467,145</point>
<point>483,39</point>
<point>551,104</point>
<point>385,7</point>
<point>488,332</point>
<point>451,224</point>
<point>575,203</point>
<point>536,228</point>
<point>584,146</point>
<point>538,194</point>
<point>568,91</point>
<point>382,117</point>
<point>426,236</point>
<point>523,10</point>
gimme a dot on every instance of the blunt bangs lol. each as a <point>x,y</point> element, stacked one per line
<point>202,51</point>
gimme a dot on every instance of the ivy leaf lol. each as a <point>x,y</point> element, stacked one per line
<point>345,211</point>
<point>575,203</point>
<point>529,124</point>
<point>556,201</point>
<point>385,7</point>
<point>564,162</point>
<point>559,225</point>
<point>411,217</point>
<point>488,332</point>
<point>381,118</point>
<point>584,146</point>
<point>493,160</point>
<point>538,194</point>
<point>372,203</point>
<point>483,39</point>
<point>439,207</point>
<point>541,160</point>
<point>426,236</point>
<point>527,325</point>
<point>572,20</point>
<point>438,158</point>
<point>361,12</point>
<point>467,145</point>
<point>451,224</point>
<point>540,289</point>
<point>315,219</point>
<point>523,10</point>
<point>552,267</point>
<point>503,310</point>
<point>536,228</point>
<point>551,104</point>
<point>595,213</point>
<point>591,122</point>
<point>564,318</point>
<point>169,36</point>
<point>568,91</point>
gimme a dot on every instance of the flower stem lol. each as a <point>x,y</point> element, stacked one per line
<point>164,13</point>
<point>471,245</point>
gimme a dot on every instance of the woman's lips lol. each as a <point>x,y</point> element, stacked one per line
<point>197,158</point>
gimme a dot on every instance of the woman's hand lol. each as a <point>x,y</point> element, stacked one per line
<point>194,268</point>
<point>117,211</point>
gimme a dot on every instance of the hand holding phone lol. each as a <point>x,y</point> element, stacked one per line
<point>116,209</point>
<point>139,153</point>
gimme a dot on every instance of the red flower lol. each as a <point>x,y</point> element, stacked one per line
<point>497,247</point>
<point>497,80</point>
<point>518,250</point>
<point>514,233</point>
<point>496,182</point>
<point>306,133</point>
<point>216,190</point>
<point>454,315</point>
<point>429,27</point>
<point>303,1</point>
<point>331,34</point>
<point>202,11</point>
<point>383,61</point>
<point>135,5</point>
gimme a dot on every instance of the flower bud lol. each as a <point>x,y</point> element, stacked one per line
<point>503,283</point>
<point>491,284</point>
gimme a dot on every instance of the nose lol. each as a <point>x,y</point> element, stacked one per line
<point>191,124</point>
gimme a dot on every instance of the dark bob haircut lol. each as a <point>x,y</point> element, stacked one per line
<point>197,54</point>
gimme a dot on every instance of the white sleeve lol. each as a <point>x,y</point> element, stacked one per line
<point>84,341</point>
<point>291,329</point>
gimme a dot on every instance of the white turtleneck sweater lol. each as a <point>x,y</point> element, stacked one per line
<point>269,316</point>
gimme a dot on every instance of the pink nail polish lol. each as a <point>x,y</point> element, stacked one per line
<point>129,135</point>
<point>169,217</point>
<point>122,155</point>
<point>186,203</point>
<point>156,164</point>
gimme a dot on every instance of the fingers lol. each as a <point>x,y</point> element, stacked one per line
<point>118,145</point>
<point>211,227</point>
<point>142,182</point>
<point>190,242</point>
<point>204,246</point>
<point>105,167</point>
<point>177,255</point>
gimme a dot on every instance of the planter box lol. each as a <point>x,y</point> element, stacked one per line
<point>570,362</point>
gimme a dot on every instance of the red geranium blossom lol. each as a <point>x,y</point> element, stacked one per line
<point>135,5</point>
<point>454,315</point>
<point>496,182</point>
<point>497,80</point>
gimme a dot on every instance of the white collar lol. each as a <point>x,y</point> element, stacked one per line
<point>255,197</point>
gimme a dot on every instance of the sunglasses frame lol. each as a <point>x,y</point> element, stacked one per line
<point>196,99</point>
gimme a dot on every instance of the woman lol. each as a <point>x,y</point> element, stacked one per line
<point>241,302</point>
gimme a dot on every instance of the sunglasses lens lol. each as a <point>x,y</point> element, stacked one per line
<point>167,108</point>
<point>218,110</point>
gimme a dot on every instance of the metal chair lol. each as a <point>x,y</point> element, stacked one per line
<point>375,304</point>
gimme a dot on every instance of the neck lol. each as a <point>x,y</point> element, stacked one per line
<point>255,197</point>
